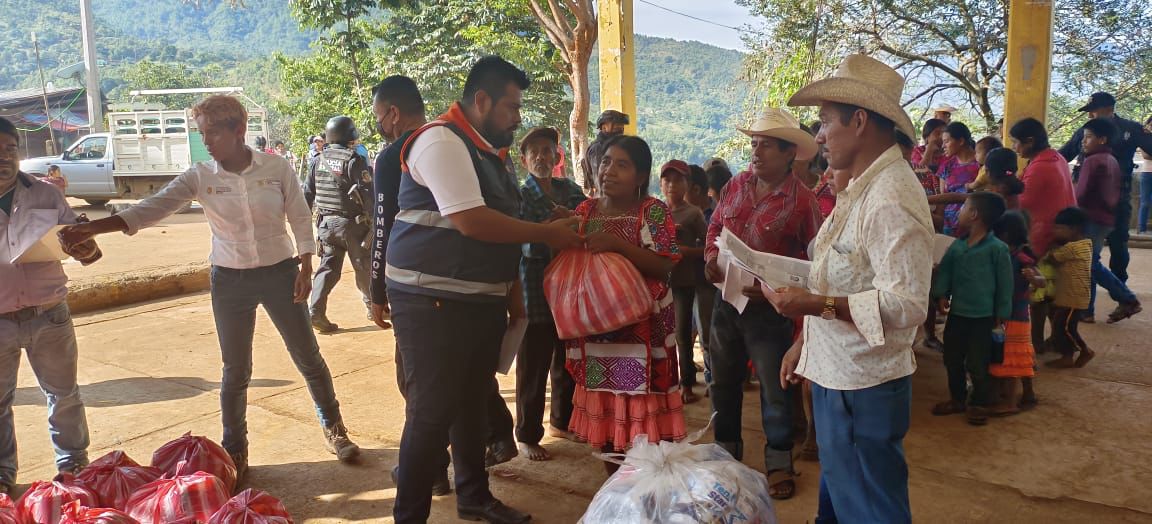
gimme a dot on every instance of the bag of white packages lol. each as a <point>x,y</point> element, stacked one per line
<point>680,483</point>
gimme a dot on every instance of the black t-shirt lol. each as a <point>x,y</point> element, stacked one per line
<point>386,181</point>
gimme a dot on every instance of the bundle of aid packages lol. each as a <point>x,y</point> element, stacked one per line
<point>680,483</point>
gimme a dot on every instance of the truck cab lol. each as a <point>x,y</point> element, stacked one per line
<point>87,165</point>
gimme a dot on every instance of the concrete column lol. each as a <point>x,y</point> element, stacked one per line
<point>92,75</point>
<point>1029,74</point>
<point>617,59</point>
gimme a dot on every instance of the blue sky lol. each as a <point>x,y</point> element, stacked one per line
<point>653,21</point>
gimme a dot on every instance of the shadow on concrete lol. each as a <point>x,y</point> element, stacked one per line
<point>363,492</point>
<point>138,390</point>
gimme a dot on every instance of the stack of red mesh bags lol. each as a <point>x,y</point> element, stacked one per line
<point>44,502</point>
<point>74,513</point>
<point>8,513</point>
<point>114,477</point>
<point>252,507</point>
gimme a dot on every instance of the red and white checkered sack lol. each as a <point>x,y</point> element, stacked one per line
<point>8,513</point>
<point>252,507</point>
<point>595,293</point>
<point>115,477</point>
<point>75,513</point>
<point>189,498</point>
<point>44,502</point>
<point>198,454</point>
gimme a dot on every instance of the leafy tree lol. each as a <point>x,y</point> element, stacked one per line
<point>147,74</point>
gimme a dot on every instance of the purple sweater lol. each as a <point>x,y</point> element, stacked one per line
<point>1098,188</point>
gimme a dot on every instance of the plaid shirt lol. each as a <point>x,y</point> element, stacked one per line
<point>783,222</point>
<point>537,207</point>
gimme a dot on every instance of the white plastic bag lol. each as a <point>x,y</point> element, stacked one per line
<point>680,483</point>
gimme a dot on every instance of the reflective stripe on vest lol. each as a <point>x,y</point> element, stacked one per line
<point>424,217</point>
<point>464,287</point>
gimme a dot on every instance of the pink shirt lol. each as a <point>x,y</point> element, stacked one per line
<point>35,208</point>
<point>1047,191</point>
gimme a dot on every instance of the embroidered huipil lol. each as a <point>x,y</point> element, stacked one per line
<point>875,249</point>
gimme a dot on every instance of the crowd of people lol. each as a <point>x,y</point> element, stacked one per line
<point>450,249</point>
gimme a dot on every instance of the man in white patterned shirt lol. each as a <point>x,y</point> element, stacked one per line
<point>247,196</point>
<point>867,293</point>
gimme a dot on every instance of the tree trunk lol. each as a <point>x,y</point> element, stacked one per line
<point>578,120</point>
<point>357,77</point>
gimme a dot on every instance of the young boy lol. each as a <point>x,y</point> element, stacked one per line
<point>974,285</point>
<point>691,231</point>
<point>1073,261</point>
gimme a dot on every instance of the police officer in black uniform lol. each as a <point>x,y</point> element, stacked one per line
<point>338,187</point>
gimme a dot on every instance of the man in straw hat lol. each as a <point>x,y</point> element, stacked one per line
<point>867,293</point>
<point>944,112</point>
<point>772,211</point>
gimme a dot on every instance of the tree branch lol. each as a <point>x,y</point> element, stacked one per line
<point>931,91</point>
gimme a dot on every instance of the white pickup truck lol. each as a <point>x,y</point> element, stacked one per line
<point>143,151</point>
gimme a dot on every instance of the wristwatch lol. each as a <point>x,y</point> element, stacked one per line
<point>829,312</point>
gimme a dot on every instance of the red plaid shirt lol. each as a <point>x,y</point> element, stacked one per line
<point>783,222</point>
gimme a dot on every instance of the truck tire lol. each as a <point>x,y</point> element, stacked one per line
<point>96,201</point>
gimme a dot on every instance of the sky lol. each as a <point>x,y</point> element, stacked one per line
<point>651,20</point>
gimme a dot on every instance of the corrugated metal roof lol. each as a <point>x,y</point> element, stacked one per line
<point>25,95</point>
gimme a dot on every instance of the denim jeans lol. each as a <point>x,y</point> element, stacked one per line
<point>1145,201</point>
<point>705,305</point>
<point>235,295</point>
<point>761,335</point>
<point>1118,236</point>
<point>450,349</point>
<point>339,236</point>
<point>861,435</point>
<point>1103,276</point>
<point>50,341</point>
<point>684,300</point>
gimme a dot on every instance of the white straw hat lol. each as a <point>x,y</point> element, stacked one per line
<point>780,124</point>
<point>861,81</point>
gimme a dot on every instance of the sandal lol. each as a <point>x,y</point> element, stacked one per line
<point>948,408</point>
<point>781,484</point>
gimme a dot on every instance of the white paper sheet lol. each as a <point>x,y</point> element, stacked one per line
<point>940,247</point>
<point>46,249</point>
<point>773,271</point>
<point>732,291</point>
<point>513,339</point>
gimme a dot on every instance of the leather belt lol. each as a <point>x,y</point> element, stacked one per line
<point>28,313</point>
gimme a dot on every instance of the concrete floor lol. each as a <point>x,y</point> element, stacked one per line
<point>151,372</point>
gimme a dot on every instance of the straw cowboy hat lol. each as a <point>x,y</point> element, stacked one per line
<point>780,124</point>
<point>944,108</point>
<point>861,81</point>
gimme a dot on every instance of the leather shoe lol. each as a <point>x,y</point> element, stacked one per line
<point>494,511</point>
<point>440,486</point>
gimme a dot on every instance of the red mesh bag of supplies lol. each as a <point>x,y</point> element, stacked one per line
<point>595,293</point>
<point>197,454</point>
<point>189,498</point>
<point>44,502</point>
<point>252,507</point>
<point>75,513</point>
<point>8,513</point>
<point>114,477</point>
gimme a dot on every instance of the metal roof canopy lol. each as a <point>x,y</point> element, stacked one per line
<point>195,90</point>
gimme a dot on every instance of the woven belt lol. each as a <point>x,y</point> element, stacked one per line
<point>28,313</point>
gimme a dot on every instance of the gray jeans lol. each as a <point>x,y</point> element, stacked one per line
<point>50,341</point>
<point>339,236</point>
<point>235,295</point>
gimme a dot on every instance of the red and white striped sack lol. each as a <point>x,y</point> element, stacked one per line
<point>197,454</point>
<point>44,502</point>
<point>75,513</point>
<point>115,477</point>
<point>595,293</point>
<point>252,507</point>
<point>8,513</point>
<point>188,498</point>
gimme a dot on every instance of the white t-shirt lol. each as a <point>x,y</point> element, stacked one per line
<point>439,160</point>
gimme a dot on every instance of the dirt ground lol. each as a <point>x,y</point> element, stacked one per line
<point>150,372</point>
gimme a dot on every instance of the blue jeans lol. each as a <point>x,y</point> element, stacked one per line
<point>761,335</point>
<point>50,341</point>
<point>705,305</point>
<point>1118,236</point>
<point>1103,276</point>
<point>1145,201</point>
<point>236,293</point>
<point>861,436</point>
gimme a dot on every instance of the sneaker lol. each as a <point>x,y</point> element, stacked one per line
<point>323,325</point>
<point>494,511</point>
<point>241,462</point>
<point>336,436</point>
<point>72,467</point>
<point>1124,311</point>
<point>500,452</point>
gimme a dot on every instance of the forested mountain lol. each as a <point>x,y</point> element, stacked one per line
<point>689,97</point>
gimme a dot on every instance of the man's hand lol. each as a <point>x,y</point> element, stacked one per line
<point>381,313</point>
<point>560,212</point>
<point>76,234</point>
<point>713,272</point>
<point>303,280</point>
<point>794,302</point>
<point>562,234</point>
<point>755,293</point>
<point>788,374</point>
<point>943,305</point>
<point>603,242</point>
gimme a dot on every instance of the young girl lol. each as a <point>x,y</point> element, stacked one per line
<point>1019,357</point>
<point>960,169</point>
<point>56,178</point>
<point>615,402</point>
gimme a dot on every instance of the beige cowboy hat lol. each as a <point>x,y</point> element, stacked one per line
<point>780,124</point>
<point>861,81</point>
<point>944,108</point>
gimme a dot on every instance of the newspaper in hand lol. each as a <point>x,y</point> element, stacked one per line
<point>773,271</point>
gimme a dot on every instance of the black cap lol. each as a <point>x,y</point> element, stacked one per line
<point>1097,101</point>
<point>612,116</point>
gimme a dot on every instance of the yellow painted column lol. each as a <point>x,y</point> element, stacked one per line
<point>617,59</point>
<point>1029,75</point>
